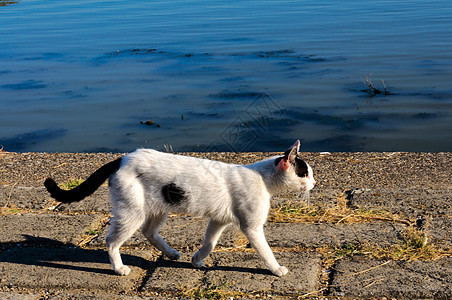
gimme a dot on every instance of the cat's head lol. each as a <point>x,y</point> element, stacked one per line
<point>297,173</point>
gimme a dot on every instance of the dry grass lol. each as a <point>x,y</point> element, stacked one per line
<point>10,210</point>
<point>7,207</point>
<point>291,212</point>
<point>93,232</point>
<point>414,243</point>
<point>214,291</point>
<point>413,246</point>
<point>211,291</point>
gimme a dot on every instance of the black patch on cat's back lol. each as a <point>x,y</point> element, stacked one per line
<point>173,194</point>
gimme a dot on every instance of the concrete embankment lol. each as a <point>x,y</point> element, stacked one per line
<point>376,225</point>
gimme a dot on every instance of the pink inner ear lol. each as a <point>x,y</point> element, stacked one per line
<point>283,165</point>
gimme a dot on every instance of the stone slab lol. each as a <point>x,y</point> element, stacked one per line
<point>246,272</point>
<point>438,231</point>
<point>316,235</point>
<point>46,228</point>
<point>99,296</point>
<point>239,272</point>
<point>32,198</point>
<point>174,276</point>
<point>69,268</point>
<point>363,277</point>
<point>72,296</point>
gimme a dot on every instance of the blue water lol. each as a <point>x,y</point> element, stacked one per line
<point>226,75</point>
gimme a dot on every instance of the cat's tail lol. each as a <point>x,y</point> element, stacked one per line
<point>86,188</point>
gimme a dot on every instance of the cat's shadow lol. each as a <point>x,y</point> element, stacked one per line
<point>187,265</point>
<point>44,252</point>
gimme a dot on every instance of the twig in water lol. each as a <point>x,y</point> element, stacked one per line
<point>372,90</point>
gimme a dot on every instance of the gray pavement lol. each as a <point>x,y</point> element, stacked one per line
<point>54,251</point>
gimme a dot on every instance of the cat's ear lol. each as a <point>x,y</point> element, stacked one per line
<point>289,157</point>
<point>296,147</point>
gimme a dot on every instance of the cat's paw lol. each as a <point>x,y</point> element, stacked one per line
<point>196,263</point>
<point>123,271</point>
<point>281,271</point>
<point>174,255</point>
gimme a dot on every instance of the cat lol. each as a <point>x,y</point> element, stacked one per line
<point>146,184</point>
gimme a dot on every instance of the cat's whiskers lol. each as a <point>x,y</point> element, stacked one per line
<point>305,196</point>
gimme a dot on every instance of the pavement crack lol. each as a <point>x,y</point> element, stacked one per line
<point>330,278</point>
<point>149,272</point>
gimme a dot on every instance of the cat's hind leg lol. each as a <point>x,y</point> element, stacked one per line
<point>213,233</point>
<point>128,212</point>
<point>122,228</point>
<point>151,229</point>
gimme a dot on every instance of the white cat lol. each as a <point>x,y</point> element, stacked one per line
<point>145,185</point>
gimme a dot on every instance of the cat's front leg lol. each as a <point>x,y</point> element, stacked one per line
<point>257,239</point>
<point>213,233</point>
